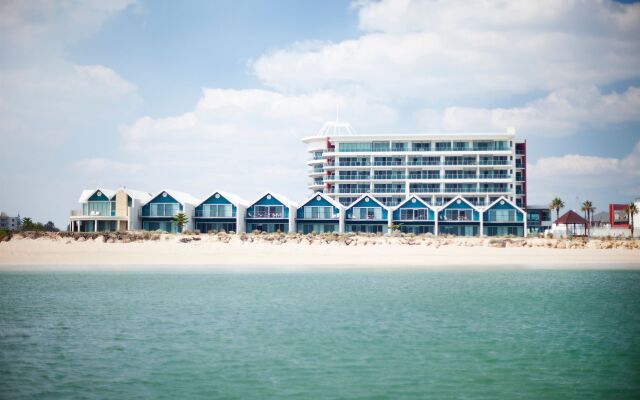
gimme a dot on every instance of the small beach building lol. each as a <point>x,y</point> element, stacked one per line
<point>502,218</point>
<point>414,215</point>
<point>572,223</point>
<point>272,213</point>
<point>320,214</point>
<point>367,214</point>
<point>458,217</point>
<point>220,212</point>
<point>106,210</point>
<point>157,213</point>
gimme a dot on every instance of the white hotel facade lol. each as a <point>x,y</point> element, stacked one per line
<point>481,167</point>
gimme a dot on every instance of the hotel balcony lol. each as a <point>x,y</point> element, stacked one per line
<point>352,178</point>
<point>265,215</point>
<point>209,214</point>
<point>349,191</point>
<point>424,163</point>
<point>389,163</point>
<point>494,162</point>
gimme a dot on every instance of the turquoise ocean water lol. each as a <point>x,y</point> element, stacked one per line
<point>315,335</point>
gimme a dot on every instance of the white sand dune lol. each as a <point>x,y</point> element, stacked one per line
<point>211,253</point>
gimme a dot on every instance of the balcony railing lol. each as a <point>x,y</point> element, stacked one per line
<point>388,190</point>
<point>414,218</point>
<point>353,163</point>
<point>388,163</point>
<point>495,176</point>
<point>424,190</point>
<point>460,176</point>
<point>354,178</point>
<point>208,214</point>
<point>388,177</point>
<point>495,162</point>
<point>423,163</point>
<point>349,191</point>
<point>493,189</point>
<point>455,162</point>
<point>261,214</point>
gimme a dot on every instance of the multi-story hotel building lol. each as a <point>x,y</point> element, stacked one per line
<point>481,167</point>
<point>463,184</point>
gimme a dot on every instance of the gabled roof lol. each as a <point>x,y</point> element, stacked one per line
<point>236,200</point>
<point>324,196</point>
<point>458,197</point>
<point>413,196</point>
<point>281,198</point>
<point>87,193</point>
<point>181,197</point>
<point>369,196</point>
<point>571,218</point>
<point>134,194</point>
<point>137,194</point>
<point>502,198</point>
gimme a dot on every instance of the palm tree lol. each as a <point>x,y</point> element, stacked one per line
<point>556,204</point>
<point>588,208</point>
<point>27,224</point>
<point>631,209</point>
<point>180,219</point>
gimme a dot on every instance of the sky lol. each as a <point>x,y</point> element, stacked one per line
<point>204,96</point>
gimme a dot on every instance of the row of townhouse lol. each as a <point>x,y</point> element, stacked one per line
<point>125,209</point>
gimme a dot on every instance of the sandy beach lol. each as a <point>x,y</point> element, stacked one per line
<point>231,252</point>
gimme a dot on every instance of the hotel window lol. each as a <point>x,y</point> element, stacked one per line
<point>97,208</point>
<point>318,212</point>
<point>367,213</point>
<point>421,146</point>
<point>217,210</point>
<point>443,146</point>
<point>348,147</point>
<point>413,214</point>
<point>268,211</point>
<point>502,215</point>
<point>380,146</point>
<point>458,215</point>
<point>399,146</point>
<point>164,209</point>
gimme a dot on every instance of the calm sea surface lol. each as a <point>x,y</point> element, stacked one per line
<point>536,334</point>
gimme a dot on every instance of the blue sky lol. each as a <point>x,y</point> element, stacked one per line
<point>202,96</point>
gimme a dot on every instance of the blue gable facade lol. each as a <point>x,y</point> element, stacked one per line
<point>414,203</point>
<point>367,215</point>
<point>459,218</point>
<point>311,219</point>
<point>158,213</point>
<point>503,205</point>
<point>216,199</point>
<point>264,215</point>
<point>215,219</point>
<point>267,200</point>
<point>461,205</point>
<point>414,216</point>
<point>98,197</point>
<point>502,219</point>
<point>368,202</point>
<point>317,201</point>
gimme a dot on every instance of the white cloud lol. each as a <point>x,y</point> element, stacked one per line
<point>45,97</point>
<point>588,166</point>
<point>603,179</point>
<point>451,51</point>
<point>255,134</point>
<point>560,113</point>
